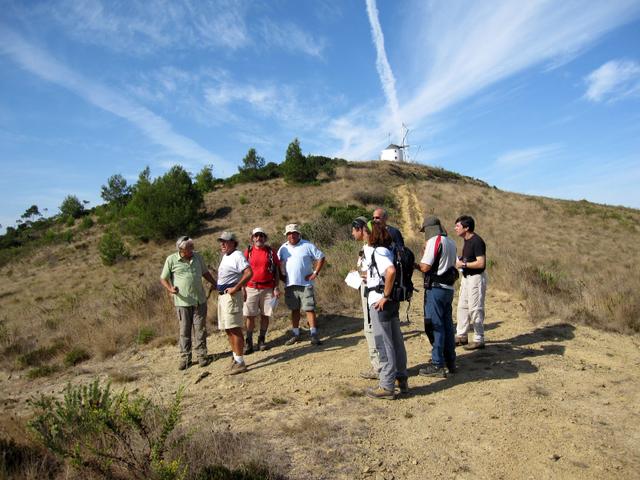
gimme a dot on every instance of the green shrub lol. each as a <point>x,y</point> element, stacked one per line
<point>344,215</point>
<point>243,200</point>
<point>75,356</point>
<point>113,436</point>
<point>145,335</point>
<point>165,208</point>
<point>116,192</point>
<point>112,248</point>
<point>71,206</point>
<point>70,221</point>
<point>42,371</point>
<point>86,223</point>
<point>325,231</point>
<point>40,355</point>
<point>205,182</point>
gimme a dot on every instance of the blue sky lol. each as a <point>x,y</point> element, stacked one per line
<point>538,97</point>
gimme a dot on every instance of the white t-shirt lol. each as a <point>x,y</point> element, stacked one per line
<point>384,260</point>
<point>298,261</point>
<point>231,268</point>
<point>447,258</point>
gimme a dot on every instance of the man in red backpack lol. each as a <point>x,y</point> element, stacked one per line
<point>438,264</point>
<point>261,292</point>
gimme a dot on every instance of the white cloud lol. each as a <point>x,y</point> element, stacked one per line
<point>291,38</point>
<point>527,156</point>
<point>156,128</point>
<point>456,48</point>
<point>382,63</point>
<point>614,80</point>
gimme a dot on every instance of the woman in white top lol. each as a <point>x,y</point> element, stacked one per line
<point>384,313</point>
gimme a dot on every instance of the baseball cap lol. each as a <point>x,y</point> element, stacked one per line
<point>227,236</point>
<point>292,227</point>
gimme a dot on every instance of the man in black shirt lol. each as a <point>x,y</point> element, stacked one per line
<point>473,286</point>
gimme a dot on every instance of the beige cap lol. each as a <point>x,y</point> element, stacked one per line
<point>227,236</point>
<point>292,227</point>
<point>258,230</point>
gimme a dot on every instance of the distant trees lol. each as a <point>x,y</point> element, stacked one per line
<point>116,192</point>
<point>72,207</point>
<point>296,167</point>
<point>252,161</point>
<point>165,207</point>
<point>205,181</point>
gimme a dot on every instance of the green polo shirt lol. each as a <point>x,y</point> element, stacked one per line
<point>187,276</point>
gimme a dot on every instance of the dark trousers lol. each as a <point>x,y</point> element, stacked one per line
<point>438,313</point>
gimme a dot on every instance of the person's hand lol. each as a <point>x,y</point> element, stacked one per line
<point>459,264</point>
<point>379,305</point>
<point>276,292</point>
<point>313,276</point>
<point>231,290</point>
<point>244,294</point>
<point>174,290</point>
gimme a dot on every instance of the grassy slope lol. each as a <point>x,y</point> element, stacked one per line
<point>566,259</point>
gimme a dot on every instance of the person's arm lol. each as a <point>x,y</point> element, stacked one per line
<point>389,277</point>
<point>276,276</point>
<point>318,264</point>
<point>165,276</point>
<point>167,285</point>
<point>424,267</point>
<point>207,275</point>
<point>247,273</point>
<point>477,264</point>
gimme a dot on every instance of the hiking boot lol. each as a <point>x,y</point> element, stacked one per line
<point>451,369</point>
<point>315,339</point>
<point>184,364</point>
<point>381,393</point>
<point>369,374</point>
<point>292,340</point>
<point>237,368</point>
<point>461,340</point>
<point>248,347</point>
<point>432,370</point>
<point>204,361</point>
<point>403,384</point>
<point>474,346</point>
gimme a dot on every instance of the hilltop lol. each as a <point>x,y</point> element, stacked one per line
<point>554,395</point>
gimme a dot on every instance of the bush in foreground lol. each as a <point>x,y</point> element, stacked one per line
<point>112,248</point>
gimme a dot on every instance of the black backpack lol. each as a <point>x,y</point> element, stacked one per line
<point>403,261</point>
<point>449,277</point>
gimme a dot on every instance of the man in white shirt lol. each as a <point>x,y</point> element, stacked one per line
<point>300,264</point>
<point>438,264</point>
<point>233,273</point>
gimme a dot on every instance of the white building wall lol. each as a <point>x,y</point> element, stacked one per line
<point>392,154</point>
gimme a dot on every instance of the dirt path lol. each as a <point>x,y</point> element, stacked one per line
<point>552,401</point>
<point>411,213</point>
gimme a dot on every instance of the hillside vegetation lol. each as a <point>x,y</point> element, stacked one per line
<point>559,260</point>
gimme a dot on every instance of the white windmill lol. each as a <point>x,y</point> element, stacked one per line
<point>397,153</point>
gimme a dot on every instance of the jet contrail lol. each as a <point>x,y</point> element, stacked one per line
<point>382,64</point>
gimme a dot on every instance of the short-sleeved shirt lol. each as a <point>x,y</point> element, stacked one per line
<point>375,277</point>
<point>472,249</point>
<point>396,236</point>
<point>447,257</point>
<point>187,276</point>
<point>231,267</point>
<point>298,261</point>
<point>263,275</point>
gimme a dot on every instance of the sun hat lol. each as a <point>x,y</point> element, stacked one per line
<point>292,227</point>
<point>432,227</point>
<point>227,236</point>
<point>258,230</point>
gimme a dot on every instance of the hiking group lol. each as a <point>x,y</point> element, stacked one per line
<point>248,287</point>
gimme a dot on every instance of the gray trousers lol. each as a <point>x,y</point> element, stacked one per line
<point>368,333</point>
<point>390,344</point>
<point>195,318</point>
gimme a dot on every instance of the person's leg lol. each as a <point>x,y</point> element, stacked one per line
<point>449,346</point>
<point>185,319</point>
<point>435,314</point>
<point>200,331</point>
<point>477,293</point>
<point>382,331</point>
<point>368,335</point>
<point>295,319</point>
<point>393,315</point>
<point>428,325</point>
<point>236,341</point>
<point>462,315</point>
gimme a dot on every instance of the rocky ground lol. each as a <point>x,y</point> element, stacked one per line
<point>541,401</point>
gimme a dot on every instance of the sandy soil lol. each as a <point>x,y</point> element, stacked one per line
<point>550,401</point>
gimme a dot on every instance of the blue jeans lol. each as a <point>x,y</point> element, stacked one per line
<point>438,312</point>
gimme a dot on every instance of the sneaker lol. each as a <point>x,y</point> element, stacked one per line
<point>432,370</point>
<point>381,393</point>
<point>248,347</point>
<point>474,346</point>
<point>461,340</point>
<point>315,339</point>
<point>204,361</point>
<point>292,340</point>
<point>403,384</point>
<point>262,346</point>
<point>184,364</point>
<point>451,369</point>
<point>369,374</point>
<point>237,368</point>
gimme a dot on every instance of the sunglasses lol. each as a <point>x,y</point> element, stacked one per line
<point>259,235</point>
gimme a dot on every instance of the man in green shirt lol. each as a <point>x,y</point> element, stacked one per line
<point>181,276</point>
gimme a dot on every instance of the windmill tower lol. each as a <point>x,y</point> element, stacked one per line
<point>397,153</point>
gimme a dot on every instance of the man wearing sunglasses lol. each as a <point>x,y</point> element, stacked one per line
<point>182,277</point>
<point>261,292</point>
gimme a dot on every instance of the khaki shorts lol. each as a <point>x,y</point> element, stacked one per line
<point>230,311</point>
<point>300,298</point>
<point>258,301</point>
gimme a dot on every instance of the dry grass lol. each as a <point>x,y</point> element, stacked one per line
<point>564,259</point>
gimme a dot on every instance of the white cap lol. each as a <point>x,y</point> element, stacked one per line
<point>258,230</point>
<point>292,227</point>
